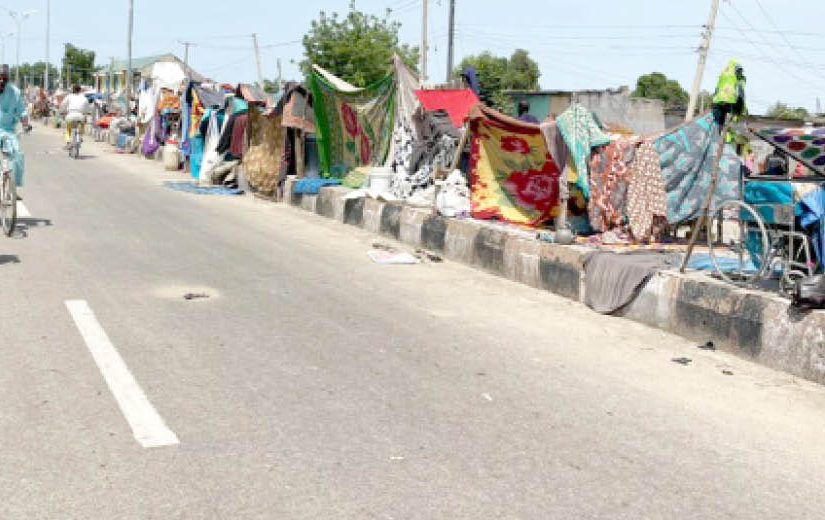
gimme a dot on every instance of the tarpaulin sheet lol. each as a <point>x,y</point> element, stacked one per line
<point>354,127</point>
<point>512,175</point>
<point>457,103</point>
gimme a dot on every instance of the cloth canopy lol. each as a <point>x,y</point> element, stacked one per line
<point>457,103</point>
<point>581,132</point>
<point>686,159</point>
<point>805,145</point>
<point>512,174</point>
<point>354,127</point>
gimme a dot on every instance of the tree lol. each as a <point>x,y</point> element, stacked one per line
<point>497,74</point>
<point>657,86</point>
<point>357,48</point>
<point>78,65</point>
<point>32,73</point>
<point>783,111</point>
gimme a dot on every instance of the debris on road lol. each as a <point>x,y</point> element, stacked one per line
<point>384,257</point>
<point>428,255</point>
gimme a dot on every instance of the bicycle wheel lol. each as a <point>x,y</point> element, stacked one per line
<point>8,201</point>
<point>738,243</point>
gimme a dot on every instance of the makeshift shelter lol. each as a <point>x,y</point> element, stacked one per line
<point>354,125</point>
<point>513,176</point>
<point>456,102</point>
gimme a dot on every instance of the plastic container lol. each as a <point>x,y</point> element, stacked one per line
<point>171,156</point>
<point>380,179</point>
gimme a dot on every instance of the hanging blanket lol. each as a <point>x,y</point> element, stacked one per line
<point>582,134</point>
<point>807,148</point>
<point>264,153</point>
<point>512,175</point>
<point>609,179</point>
<point>353,126</point>
<point>686,158</point>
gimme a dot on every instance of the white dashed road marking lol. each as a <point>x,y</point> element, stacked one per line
<point>147,425</point>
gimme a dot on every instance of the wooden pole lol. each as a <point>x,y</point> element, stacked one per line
<point>708,198</point>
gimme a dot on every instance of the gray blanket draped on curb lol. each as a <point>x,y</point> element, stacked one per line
<point>613,280</point>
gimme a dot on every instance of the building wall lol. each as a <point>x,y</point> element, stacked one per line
<point>613,107</point>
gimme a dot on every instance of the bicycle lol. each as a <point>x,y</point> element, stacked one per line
<point>8,188</point>
<point>74,144</point>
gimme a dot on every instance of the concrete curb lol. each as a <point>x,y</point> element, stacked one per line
<point>760,326</point>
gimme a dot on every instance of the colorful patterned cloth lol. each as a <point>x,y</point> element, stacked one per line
<point>354,127</point>
<point>609,179</point>
<point>646,198</point>
<point>807,148</point>
<point>512,175</point>
<point>264,152</point>
<point>687,156</point>
<point>582,134</point>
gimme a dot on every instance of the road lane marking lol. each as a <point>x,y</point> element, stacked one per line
<point>147,425</point>
<point>22,210</point>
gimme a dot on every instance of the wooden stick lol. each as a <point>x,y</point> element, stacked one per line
<point>708,198</point>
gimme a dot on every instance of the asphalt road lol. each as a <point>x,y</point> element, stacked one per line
<point>315,384</point>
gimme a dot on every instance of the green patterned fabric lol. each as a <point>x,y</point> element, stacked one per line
<point>581,133</point>
<point>354,126</point>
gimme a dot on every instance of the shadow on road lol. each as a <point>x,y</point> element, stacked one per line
<point>9,259</point>
<point>25,224</point>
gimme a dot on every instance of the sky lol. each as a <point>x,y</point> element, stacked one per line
<point>578,45</point>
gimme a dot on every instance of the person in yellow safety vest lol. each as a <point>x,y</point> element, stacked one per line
<point>729,98</point>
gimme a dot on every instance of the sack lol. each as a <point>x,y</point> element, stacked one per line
<point>809,292</point>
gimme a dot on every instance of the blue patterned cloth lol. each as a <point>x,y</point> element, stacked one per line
<point>313,186</point>
<point>686,158</point>
<point>192,187</point>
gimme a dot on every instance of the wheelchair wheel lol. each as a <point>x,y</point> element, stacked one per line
<point>739,243</point>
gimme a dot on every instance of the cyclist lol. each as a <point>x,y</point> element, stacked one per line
<point>75,106</point>
<point>12,111</point>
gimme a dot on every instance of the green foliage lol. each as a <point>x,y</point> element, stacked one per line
<point>271,87</point>
<point>358,48</point>
<point>657,86</point>
<point>79,64</point>
<point>32,73</point>
<point>783,111</point>
<point>497,74</point>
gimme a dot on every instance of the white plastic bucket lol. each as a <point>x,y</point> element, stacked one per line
<point>171,156</point>
<point>380,179</point>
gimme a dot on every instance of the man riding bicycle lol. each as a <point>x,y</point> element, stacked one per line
<point>75,106</point>
<point>12,111</point>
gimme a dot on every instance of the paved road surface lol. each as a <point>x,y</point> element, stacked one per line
<point>314,384</point>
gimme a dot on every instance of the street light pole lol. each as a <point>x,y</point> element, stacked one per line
<point>19,18</point>
<point>129,61</point>
<point>48,34</point>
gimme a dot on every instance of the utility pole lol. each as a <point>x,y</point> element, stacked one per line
<point>258,60</point>
<point>186,46</point>
<point>424,47</point>
<point>48,35</point>
<point>129,59</point>
<point>451,42</point>
<point>110,87</point>
<point>703,56</point>
<point>280,75</point>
